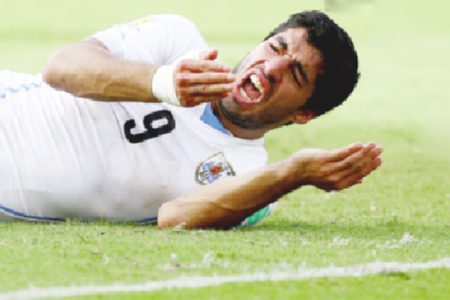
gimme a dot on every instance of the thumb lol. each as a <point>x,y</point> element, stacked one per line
<point>209,54</point>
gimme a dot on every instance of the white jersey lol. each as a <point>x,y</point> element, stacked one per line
<point>67,157</point>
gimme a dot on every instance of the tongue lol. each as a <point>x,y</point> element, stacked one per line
<point>251,91</point>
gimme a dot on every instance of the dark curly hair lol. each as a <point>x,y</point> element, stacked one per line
<point>340,61</point>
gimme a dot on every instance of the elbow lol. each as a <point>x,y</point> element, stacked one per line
<point>178,214</point>
<point>168,216</point>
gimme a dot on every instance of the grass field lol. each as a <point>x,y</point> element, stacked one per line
<point>400,214</point>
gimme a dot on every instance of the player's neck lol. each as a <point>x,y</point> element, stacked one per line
<point>243,133</point>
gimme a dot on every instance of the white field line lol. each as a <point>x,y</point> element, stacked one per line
<point>203,281</point>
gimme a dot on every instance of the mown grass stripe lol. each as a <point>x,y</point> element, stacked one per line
<point>203,281</point>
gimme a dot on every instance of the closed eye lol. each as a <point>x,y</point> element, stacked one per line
<point>296,68</point>
<point>275,49</point>
<point>297,71</point>
<point>295,76</point>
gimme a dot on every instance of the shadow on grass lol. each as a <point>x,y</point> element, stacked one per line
<point>372,230</point>
<point>390,228</point>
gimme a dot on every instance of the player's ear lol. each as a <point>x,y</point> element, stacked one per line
<point>303,117</point>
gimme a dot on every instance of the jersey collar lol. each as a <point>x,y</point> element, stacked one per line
<point>210,118</point>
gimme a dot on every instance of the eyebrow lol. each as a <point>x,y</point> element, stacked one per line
<point>297,65</point>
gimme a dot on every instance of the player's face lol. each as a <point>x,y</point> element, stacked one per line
<point>274,82</point>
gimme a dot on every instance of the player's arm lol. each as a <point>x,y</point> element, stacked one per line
<point>227,202</point>
<point>88,69</point>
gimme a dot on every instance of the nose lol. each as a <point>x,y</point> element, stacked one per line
<point>276,67</point>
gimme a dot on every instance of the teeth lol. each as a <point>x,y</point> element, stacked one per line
<point>244,94</point>
<point>255,80</point>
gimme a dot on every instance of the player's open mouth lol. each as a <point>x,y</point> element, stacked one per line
<point>252,88</point>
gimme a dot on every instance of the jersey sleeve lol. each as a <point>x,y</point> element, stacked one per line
<point>158,39</point>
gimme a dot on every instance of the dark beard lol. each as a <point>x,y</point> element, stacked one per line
<point>236,118</point>
<point>248,122</point>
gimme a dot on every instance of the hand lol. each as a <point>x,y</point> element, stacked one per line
<point>336,169</point>
<point>202,80</point>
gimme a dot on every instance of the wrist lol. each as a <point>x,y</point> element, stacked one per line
<point>295,172</point>
<point>162,85</point>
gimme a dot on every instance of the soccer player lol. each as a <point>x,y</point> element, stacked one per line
<point>141,122</point>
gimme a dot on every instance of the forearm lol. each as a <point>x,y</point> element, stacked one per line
<point>88,69</point>
<point>227,202</point>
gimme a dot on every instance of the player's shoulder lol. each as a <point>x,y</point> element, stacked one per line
<point>180,19</point>
<point>171,20</point>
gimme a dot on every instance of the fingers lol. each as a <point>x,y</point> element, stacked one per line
<point>356,177</point>
<point>192,100</point>
<point>209,55</point>
<point>195,100</point>
<point>201,66</point>
<point>205,89</point>
<point>185,79</point>
<point>341,154</point>
<point>197,88</point>
<point>203,80</point>
<point>355,167</point>
<point>358,158</point>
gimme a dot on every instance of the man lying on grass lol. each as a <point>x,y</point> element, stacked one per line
<point>139,122</point>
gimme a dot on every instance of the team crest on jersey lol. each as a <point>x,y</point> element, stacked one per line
<point>213,168</point>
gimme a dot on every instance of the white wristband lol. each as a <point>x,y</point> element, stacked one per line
<point>163,87</point>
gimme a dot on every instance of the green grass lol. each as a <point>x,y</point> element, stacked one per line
<point>401,103</point>
<point>411,286</point>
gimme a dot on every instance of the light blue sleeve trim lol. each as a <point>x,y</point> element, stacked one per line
<point>26,217</point>
<point>20,88</point>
